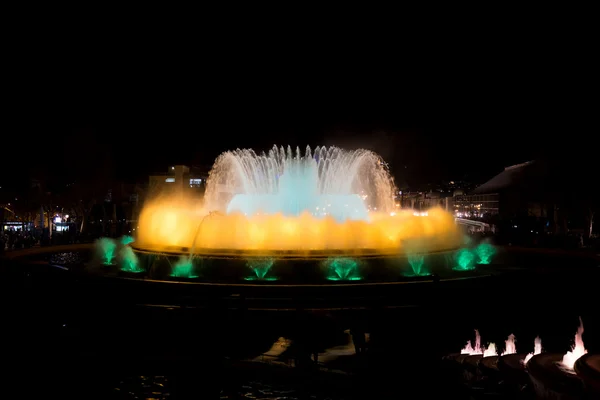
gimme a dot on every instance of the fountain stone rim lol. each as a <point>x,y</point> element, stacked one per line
<point>283,254</point>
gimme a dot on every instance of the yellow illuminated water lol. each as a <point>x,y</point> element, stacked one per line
<point>179,223</point>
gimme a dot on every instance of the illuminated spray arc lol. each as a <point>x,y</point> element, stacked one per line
<point>326,200</point>
<point>345,185</point>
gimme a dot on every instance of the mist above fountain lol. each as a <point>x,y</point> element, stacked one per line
<point>324,200</point>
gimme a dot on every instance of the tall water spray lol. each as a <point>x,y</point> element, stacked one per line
<point>537,349</point>
<point>510,346</point>
<point>469,349</point>
<point>301,201</point>
<point>577,350</point>
<point>329,181</point>
<point>107,248</point>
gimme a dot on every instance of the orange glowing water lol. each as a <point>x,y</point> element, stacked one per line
<point>180,224</point>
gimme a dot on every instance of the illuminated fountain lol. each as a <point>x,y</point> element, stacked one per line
<point>473,356</point>
<point>577,350</point>
<point>126,239</point>
<point>469,349</point>
<point>107,248</point>
<point>512,364</point>
<point>416,262</point>
<point>537,349</point>
<point>554,375</point>
<point>118,253</point>
<point>330,205</point>
<point>485,252</point>
<point>341,269</point>
<point>509,345</point>
<point>465,260</point>
<point>345,185</point>
<point>260,267</point>
<point>477,349</point>
<point>129,260</point>
<point>184,268</point>
<point>490,351</point>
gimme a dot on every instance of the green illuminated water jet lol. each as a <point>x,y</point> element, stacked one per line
<point>260,267</point>
<point>107,248</point>
<point>417,262</point>
<point>130,261</point>
<point>126,239</point>
<point>184,268</point>
<point>465,259</point>
<point>342,269</point>
<point>485,252</point>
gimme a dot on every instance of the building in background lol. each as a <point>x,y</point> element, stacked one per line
<point>178,179</point>
<point>517,192</point>
<point>521,201</point>
<point>474,205</point>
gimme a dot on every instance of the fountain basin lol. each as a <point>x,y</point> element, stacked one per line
<point>550,381</point>
<point>489,366</point>
<point>130,274</point>
<point>455,359</point>
<point>302,267</point>
<point>304,285</point>
<point>452,367</point>
<point>512,368</point>
<point>471,367</point>
<point>587,368</point>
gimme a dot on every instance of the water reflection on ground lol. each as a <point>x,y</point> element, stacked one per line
<point>160,388</point>
<point>144,387</point>
<point>262,391</point>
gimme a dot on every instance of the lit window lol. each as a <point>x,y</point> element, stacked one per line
<point>195,182</point>
<point>170,180</point>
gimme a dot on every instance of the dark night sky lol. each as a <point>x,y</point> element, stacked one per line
<point>130,117</point>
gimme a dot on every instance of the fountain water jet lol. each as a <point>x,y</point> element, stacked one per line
<point>184,268</point>
<point>416,262</point>
<point>464,259</point>
<point>328,181</point>
<point>577,350</point>
<point>490,351</point>
<point>129,260</point>
<point>509,345</point>
<point>260,267</point>
<point>126,239</point>
<point>537,349</point>
<point>469,349</point>
<point>107,248</point>
<point>485,252</point>
<point>342,269</point>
